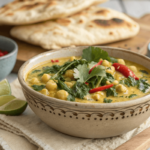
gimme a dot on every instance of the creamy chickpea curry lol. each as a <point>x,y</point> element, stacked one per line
<point>93,78</point>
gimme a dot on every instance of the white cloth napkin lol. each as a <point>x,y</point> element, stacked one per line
<point>42,137</point>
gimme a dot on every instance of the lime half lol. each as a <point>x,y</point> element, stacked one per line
<point>5,88</point>
<point>14,107</point>
<point>6,98</point>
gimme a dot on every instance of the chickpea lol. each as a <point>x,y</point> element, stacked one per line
<point>100,93</point>
<point>62,94</point>
<point>69,84</point>
<point>106,63</point>
<point>45,77</point>
<point>121,88</point>
<point>111,70</point>
<point>100,59</point>
<point>35,81</point>
<point>45,92</point>
<point>96,97</point>
<point>52,93</point>
<point>51,85</point>
<point>69,73</point>
<point>107,82</point>
<point>133,68</point>
<point>72,58</point>
<point>121,61</point>
<point>115,82</point>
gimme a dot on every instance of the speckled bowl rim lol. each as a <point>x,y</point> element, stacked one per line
<point>81,105</point>
<point>13,50</point>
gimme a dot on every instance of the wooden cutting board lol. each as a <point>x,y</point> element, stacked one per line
<point>137,44</point>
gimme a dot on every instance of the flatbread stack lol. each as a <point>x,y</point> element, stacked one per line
<point>82,26</point>
<point>21,12</point>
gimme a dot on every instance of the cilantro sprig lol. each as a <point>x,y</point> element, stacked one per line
<point>95,53</point>
<point>81,73</point>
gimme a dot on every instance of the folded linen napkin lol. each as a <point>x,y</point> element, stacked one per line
<point>29,126</point>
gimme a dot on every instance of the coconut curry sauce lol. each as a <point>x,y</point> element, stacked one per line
<point>90,81</point>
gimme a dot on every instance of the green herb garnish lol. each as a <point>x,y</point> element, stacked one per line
<point>52,69</point>
<point>107,100</point>
<point>82,73</point>
<point>95,54</point>
<point>141,84</point>
<point>79,89</point>
<point>38,87</point>
<point>144,71</point>
<point>132,95</point>
<point>111,92</point>
<point>68,66</point>
<point>71,98</point>
<point>35,71</point>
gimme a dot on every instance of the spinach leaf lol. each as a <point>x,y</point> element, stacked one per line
<point>48,69</point>
<point>38,87</point>
<point>79,90</point>
<point>62,85</point>
<point>111,91</point>
<point>93,81</point>
<point>113,60</point>
<point>143,85</point>
<point>132,95</point>
<point>109,77</point>
<point>35,71</point>
<point>71,98</point>
<point>144,71</point>
<point>69,65</point>
<point>130,81</point>
<point>107,100</point>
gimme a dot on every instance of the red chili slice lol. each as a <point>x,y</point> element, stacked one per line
<point>101,88</point>
<point>53,61</point>
<point>125,70</point>
<point>99,63</point>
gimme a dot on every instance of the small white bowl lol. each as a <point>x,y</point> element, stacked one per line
<point>87,120</point>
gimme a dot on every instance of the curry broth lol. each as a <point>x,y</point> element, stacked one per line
<point>88,99</point>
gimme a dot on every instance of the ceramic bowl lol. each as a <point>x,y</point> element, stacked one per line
<point>87,120</point>
<point>8,61</point>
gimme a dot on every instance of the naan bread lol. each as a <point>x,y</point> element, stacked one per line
<point>21,12</point>
<point>90,27</point>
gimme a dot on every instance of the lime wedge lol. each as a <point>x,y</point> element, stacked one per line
<point>5,88</point>
<point>6,98</point>
<point>13,107</point>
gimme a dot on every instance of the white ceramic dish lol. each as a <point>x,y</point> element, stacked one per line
<point>87,120</point>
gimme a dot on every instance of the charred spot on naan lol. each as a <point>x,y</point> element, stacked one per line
<point>103,12</point>
<point>83,13</point>
<point>64,22</point>
<point>110,23</point>
<point>30,6</point>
